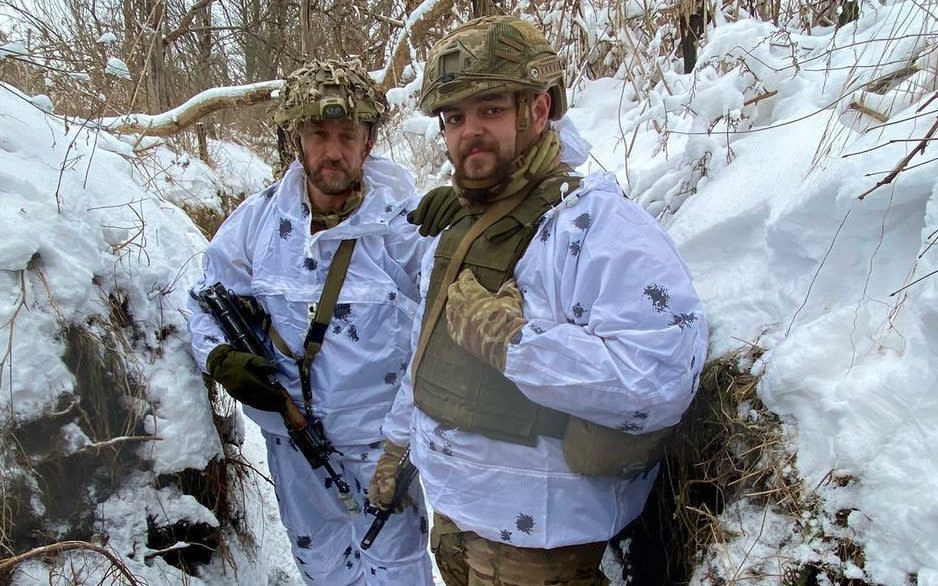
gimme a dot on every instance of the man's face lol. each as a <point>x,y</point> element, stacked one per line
<point>480,135</point>
<point>334,151</point>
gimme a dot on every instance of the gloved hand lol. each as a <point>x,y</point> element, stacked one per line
<point>384,482</point>
<point>436,211</point>
<point>246,377</point>
<point>482,323</point>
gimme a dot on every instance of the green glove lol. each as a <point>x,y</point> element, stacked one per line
<point>436,211</point>
<point>384,482</point>
<point>246,377</point>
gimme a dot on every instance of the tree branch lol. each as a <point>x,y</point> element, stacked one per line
<point>919,148</point>
<point>193,110</point>
<point>428,13</point>
<point>185,21</point>
<point>8,564</point>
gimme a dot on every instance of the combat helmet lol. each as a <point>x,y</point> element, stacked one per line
<point>328,90</point>
<point>492,53</point>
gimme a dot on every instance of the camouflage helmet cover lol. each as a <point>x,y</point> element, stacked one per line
<point>493,53</point>
<point>327,90</point>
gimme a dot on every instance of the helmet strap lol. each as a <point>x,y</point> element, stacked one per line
<point>523,105</point>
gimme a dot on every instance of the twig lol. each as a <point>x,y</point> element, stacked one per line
<point>919,148</point>
<point>817,272</point>
<point>913,282</point>
<point>63,546</point>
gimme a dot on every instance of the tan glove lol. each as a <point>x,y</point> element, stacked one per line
<point>384,482</point>
<point>482,323</point>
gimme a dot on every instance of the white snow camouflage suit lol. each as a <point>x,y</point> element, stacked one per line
<point>265,249</point>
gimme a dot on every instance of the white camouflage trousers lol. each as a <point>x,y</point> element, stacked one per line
<point>326,537</point>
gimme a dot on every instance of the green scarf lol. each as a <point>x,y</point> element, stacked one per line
<point>332,219</point>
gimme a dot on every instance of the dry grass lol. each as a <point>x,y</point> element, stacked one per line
<point>729,447</point>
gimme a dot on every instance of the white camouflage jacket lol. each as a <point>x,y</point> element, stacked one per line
<point>615,335</point>
<point>265,249</point>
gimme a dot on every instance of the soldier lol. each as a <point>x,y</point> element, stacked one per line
<point>560,335</point>
<point>278,247</point>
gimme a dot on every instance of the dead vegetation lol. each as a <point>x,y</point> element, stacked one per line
<point>729,448</point>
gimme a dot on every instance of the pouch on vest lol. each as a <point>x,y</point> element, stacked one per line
<point>595,450</point>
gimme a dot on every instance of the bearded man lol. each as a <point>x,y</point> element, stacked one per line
<point>560,335</point>
<point>280,247</point>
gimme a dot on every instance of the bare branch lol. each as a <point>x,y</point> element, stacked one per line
<point>185,22</point>
<point>193,110</point>
<point>427,14</point>
<point>63,546</point>
<point>901,165</point>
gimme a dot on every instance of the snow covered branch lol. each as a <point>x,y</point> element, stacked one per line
<point>428,13</point>
<point>193,110</point>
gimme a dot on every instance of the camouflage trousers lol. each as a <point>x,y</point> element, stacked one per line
<point>466,559</point>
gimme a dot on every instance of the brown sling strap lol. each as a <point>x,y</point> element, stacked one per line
<point>320,324</point>
<point>497,211</point>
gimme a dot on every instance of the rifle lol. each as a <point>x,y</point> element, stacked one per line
<point>405,474</point>
<point>308,435</point>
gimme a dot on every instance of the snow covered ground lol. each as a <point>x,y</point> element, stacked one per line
<point>755,161</point>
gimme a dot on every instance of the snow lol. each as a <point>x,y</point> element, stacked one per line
<point>754,161</point>
<point>107,38</point>
<point>116,67</point>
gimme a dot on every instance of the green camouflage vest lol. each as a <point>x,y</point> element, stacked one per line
<point>457,389</point>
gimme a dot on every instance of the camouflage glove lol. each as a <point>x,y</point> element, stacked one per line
<point>483,323</point>
<point>436,211</point>
<point>246,378</point>
<point>384,482</point>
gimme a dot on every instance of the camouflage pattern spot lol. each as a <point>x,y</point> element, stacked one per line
<point>353,333</point>
<point>537,329</point>
<point>304,541</point>
<point>682,320</point>
<point>390,378</point>
<point>524,523</point>
<point>305,209</point>
<point>310,264</point>
<point>629,426</point>
<point>575,248</point>
<point>659,296</point>
<point>286,228</point>
<point>583,221</point>
<point>578,310</point>
<point>506,535</point>
<point>342,311</point>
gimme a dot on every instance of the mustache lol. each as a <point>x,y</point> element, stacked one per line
<point>482,143</point>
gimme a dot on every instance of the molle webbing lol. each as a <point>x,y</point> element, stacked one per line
<point>452,386</point>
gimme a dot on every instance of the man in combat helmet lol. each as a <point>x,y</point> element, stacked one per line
<point>281,247</point>
<point>560,338</point>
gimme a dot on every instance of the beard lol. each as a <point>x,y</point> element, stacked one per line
<point>332,180</point>
<point>476,184</point>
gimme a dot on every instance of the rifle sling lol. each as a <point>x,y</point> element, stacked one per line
<point>320,323</point>
<point>497,211</point>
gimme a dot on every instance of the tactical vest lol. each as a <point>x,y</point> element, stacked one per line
<point>452,386</point>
